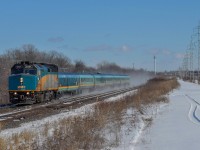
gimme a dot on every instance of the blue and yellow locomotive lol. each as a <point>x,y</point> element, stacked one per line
<point>37,82</point>
<point>33,82</point>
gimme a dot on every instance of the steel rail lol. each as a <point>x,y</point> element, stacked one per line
<point>63,102</point>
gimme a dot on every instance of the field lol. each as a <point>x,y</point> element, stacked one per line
<point>94,126</point>
<point>177,125</point>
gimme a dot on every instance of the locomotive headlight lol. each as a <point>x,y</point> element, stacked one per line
<point>15,93</point>
<point>21,80</point>
<point>27,93</point>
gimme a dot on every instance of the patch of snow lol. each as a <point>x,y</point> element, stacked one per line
<point>118,97</point>
<point>178,126</point>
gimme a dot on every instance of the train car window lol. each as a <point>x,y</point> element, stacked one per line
<point>86,79</point>
<point>65,81</point>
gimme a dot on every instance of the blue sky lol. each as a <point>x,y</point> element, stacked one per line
<point>120,31</point>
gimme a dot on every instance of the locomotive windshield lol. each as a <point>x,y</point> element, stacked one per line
<point>28,69</point>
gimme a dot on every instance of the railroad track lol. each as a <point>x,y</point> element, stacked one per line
<point>91,97</point>
<point>34,112</point>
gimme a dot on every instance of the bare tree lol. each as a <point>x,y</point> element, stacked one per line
<point>107,67</point>
<point>30,53</point>
<point>79,66</point>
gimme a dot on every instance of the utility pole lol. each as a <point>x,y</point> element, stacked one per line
<point>133,66</point>
<point>154,65</point>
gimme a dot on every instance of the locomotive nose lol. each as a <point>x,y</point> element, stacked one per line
<point>21,87</point>
<point>22,82</point>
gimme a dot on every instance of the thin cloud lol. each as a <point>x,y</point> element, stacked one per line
<point>166,52</point>
<point>125,48</point>
<point>157,51</point>
<point>179,55</point>
<point>105,47</point>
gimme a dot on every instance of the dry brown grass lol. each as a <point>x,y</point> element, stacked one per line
<point>3,144</point>
<point>154,91</point>
<point>1,125</point>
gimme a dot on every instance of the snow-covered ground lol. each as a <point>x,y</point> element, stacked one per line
<point>176,126</point>
<point>171,126</point>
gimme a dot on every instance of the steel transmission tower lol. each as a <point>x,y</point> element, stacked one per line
<point>185,65</point>
<point>191,57</point>
<point>191,60</point>
<point>198,36</point>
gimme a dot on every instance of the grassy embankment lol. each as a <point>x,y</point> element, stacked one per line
<point>98,128</point>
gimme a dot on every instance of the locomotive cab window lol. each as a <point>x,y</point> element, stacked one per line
<point>30,71</point>
<point>17,71</point>
<point>23,69</point>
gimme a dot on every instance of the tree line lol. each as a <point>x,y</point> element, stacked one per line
<point>31,53</point>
